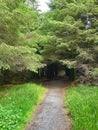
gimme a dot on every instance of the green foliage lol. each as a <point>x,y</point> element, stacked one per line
<point>74,44</point>
<point>62,34</point>
<point>95,72</point>
<point>19,58</point>
<point>70,64</point>
<point>18,29</point>
<point>83,108</point>
<point>17,104</point>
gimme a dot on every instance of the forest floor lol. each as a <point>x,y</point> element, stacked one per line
<point>51,113</point>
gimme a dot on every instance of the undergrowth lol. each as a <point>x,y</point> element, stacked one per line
<point>82,103</point>
<point>18,104</point>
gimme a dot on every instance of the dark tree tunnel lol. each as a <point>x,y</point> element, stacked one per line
<point>50,72</point>
<point>56,70</point>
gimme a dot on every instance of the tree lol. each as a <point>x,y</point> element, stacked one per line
<point>18,27</point>
<point>73,25</point>
<point>67,34</point>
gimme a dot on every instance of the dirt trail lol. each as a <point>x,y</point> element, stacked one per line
<point>52,115</point>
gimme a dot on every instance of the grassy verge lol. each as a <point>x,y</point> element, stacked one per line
<point>18,104</point>
<point>82,103</point>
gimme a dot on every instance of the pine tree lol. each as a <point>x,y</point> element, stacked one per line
<point>73,27</point>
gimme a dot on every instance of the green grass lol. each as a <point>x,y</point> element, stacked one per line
<point>18,104</point>
<point>82,103</point>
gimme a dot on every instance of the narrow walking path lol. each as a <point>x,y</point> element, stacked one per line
<point>52,115</point>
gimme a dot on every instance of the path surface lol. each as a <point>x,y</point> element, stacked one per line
<point>52,115</point>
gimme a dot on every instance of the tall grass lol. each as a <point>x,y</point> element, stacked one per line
<point>17,104</point>
<point>82,103</point>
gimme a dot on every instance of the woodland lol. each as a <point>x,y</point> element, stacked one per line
<point>32,44</point>
<point>57,48</point>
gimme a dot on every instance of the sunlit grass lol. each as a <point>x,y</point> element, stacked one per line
<point>18,104</point>
<point>82,103</point>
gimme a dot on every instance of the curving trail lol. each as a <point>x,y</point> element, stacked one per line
<point>52,115</point>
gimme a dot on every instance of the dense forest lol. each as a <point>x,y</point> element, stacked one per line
<point>49,65</point>
<point>32,42</point>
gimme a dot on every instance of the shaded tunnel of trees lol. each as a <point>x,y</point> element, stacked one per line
<point>50,72</point>
<point>55,70</point>
<point>65,37</point>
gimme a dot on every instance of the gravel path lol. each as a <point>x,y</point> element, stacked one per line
<point>52,115</point>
